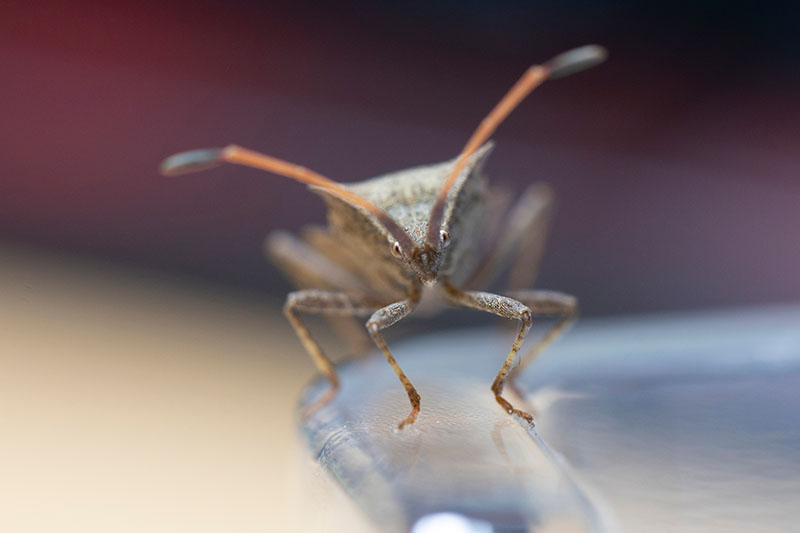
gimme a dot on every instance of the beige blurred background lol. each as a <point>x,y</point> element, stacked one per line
<point>132,402</point>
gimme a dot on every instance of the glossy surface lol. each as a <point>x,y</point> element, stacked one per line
<point>665,424</point>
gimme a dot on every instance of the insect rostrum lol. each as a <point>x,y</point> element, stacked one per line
<point>426,228</point>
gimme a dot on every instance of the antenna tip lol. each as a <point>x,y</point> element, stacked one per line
<point>191,161</point>
<point>575,60</point>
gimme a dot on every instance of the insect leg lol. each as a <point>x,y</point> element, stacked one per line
<point>538,202</point>
<point>322,303</point>
<point>521,241</point>
<point>508,308</point>
<point>381,319</point>
<point>562,307</point>
<point>310,268</point>
<point>306,266</point>
<point>351,332</point>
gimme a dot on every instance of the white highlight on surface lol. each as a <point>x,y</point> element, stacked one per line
<point>450,523</point>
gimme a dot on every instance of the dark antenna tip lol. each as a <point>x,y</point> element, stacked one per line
<point>575,60</point>
<point>191,161</point>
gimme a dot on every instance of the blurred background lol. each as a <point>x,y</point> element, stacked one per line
<point>676,163</point>
<point>145,369</point>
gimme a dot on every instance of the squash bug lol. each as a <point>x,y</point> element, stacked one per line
<point>427,229</point>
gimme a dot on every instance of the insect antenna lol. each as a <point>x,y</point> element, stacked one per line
<point>196,160</point>
<point>563,64</point>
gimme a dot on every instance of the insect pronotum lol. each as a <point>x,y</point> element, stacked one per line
<point>429,228</point>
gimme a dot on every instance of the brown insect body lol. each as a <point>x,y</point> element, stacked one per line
<point>407,197</point>
<point>391,237</point>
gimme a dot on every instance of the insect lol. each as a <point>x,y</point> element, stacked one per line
<point>426,229</point>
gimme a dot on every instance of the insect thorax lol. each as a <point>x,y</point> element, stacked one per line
<point>408,196</point>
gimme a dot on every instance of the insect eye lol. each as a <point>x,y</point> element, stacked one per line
<point>445,237</point>
<point>396,250</point>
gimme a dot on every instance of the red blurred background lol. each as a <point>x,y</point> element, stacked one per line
<point>676,163</point>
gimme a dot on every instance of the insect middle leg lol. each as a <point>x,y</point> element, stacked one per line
<point>563,307</point>
<point>308,268</point>
<point>508,308</point>
<point>322,303</point>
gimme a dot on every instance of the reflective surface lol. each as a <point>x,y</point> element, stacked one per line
<point>131,402</point>
<point>674,423</point>
<point>698,431</point>
<point>463,455</point>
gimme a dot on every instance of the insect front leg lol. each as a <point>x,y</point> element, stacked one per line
<point>508,308</point>
<point>322,303</point>
<point>381,319</point>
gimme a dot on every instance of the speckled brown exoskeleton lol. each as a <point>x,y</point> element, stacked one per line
<point>426,229</point>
